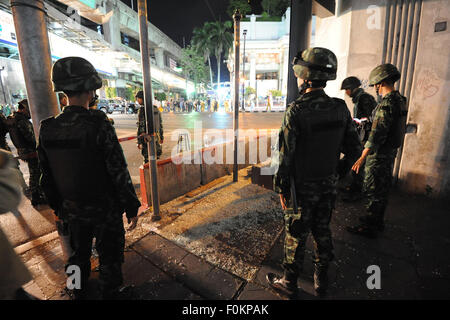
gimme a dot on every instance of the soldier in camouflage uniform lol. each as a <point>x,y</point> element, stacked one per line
<point>22,135</point>
<point>386,136</point>
<point>3,132</point>
<point>141,142</point>
<point>315,130</point>
<point>364,104</point>
<point>85,177</point>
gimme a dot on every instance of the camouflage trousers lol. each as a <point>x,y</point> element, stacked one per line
<point>144,150</point>
<point>315,203</point>
<point>108,230</point>
<point>377,184</point>
<point>35,174</point>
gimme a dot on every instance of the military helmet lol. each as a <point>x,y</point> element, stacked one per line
<point>23,103</point>
<point>75,74</point>
<point>383,72</point>
<point>350,83</point>
<point>315,64</point>
<point>140,95</point>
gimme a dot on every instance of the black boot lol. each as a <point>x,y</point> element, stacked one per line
<point>287,285</point>
<point>320,279</point>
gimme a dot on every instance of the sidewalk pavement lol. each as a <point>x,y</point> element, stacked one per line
<point>220,241</point>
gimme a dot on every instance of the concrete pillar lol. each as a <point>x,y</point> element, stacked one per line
<point>252,76</point>
<point>252,31</point>
<point>159,56</point>
<point>34,50</point>
<point>111,29</point>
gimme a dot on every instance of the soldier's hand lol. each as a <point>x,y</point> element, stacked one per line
<point>132,223</point>
<point>139,146</point>
<point>283,201</point>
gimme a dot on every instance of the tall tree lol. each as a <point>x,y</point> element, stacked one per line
<point>194,66</point>
<point>222,40</point>
<point>275,7</point>
<point>203,45</point>
<point>243,6</point>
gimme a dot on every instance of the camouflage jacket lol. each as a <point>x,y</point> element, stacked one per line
<point>25,129</point>
<point>3,132</point>
<point>142,124</point>
<point>385,123</point>
<point>364,104</point>
<point>123,195</point>
<point>289,136</point>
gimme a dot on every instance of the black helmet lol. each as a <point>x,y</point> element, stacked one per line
<point>350,83</point>
<point>140,95</point>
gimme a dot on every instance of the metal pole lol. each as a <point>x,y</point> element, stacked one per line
<point>148,102</point>
<point>34,50</point>
<point>299,39</point>
<point>1,81</point>
<point>237,19</point>
<point>243,74</point>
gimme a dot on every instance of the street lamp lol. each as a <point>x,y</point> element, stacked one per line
<point>243,73</point>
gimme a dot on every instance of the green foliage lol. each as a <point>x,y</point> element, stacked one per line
<point>249,91</point>
<point>110,92</point>
<point>194,65</point>
<point>202,43</point>
<point>129,93</point>
<point>160,96</point>
<point>275,93</point>
<point>243,6</point>
<point>222,39</point>
<point>275,7</point>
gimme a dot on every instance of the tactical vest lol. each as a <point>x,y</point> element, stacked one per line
<point>398,129</point>
<point>156,118</point>
<point>321,134</point>
<point>16,136</point>
<point>76,161</point>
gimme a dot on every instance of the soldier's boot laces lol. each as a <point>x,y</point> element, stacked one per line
<point>320,280</point>
<point>287,284</point>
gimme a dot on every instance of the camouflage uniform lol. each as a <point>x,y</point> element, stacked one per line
<point>22,135</point>
<point>315,198</point>
<point>387,133</point>
<point>142,129</point>
<point>379,163</point>
<point>85,178</point>
<point>315,130</point>
<point>3,132</point>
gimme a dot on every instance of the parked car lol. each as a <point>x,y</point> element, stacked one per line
<point>117,105</point>
<point>103,105</point>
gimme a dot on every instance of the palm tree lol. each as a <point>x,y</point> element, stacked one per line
<point>203,45</point>
<point>222,39</point>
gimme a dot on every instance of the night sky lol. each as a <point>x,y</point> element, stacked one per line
<point>178,18</point>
